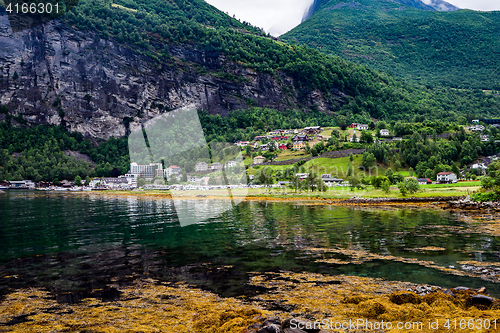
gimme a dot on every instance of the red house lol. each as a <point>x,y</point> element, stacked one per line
<point>282,146</point>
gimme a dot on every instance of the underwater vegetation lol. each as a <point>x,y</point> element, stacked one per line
<point>152,306</point>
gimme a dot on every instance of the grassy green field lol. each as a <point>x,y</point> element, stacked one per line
<point>338,192</point>
<point>369,192</point>
<point>471,183</point>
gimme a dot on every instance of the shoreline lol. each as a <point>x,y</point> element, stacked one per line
<point>443,202</point>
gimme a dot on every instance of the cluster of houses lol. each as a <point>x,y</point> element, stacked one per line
<point>298,138</point>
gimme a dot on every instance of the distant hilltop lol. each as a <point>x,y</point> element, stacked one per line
<point>434,5</point>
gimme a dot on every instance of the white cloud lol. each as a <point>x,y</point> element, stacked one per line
<point>274,16</point>
<point>477,4</point>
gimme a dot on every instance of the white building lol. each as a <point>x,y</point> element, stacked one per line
<point>230,164</point>
<point>114,183</point>
<point>95,182</point>
<point>362,127</point>
<point>330,181</point>
<point>476,128</point>
<point>384,132</point>
<point>172,170</point>
<point>242,143</point>
<point>201,166</point>
<point>131,179</point>
<point>258,159</point>
<point>216,166</point>
<point>446,178</point>
<point>22,184</point>
<point>481,166</point>
<point>352,137</point>
<point>147,171</point>
<point>485,138</point>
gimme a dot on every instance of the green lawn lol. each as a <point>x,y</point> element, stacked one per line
<point>472,183</point>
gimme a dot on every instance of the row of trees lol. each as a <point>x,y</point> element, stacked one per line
<point>428,156</point>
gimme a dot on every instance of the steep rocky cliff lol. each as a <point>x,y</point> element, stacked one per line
<point>59,75</point>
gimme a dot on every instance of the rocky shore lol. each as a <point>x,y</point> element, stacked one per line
<point>467,204</point>
<point>358,200</point>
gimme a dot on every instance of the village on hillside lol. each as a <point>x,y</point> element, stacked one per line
<point>323,157</point>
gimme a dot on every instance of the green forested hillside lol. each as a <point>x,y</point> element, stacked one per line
<point>153,27</point>
<point>458,49</point>
<point>41,154</point>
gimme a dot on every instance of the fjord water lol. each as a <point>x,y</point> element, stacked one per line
<point>68,241</point>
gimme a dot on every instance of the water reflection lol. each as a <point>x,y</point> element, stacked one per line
<point>66,241</point>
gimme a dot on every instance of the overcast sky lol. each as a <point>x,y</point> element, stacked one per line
<point>279,16</point>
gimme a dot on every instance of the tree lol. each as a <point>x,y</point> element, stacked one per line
<point>487,183</point>
<point>184,177</point>
<point>78,181</point>
<point>366,137</point>
<point>412,185</point>
<point>265,176</point>
<point>87,181</point>
<point>56,182</point>
<point>377,181</point>
<point>386,186</point>
<point>141,182</point>
<point>114,172</point>
<point>353,182</point>
<point>368,160</point>
<point>397,165</point>
<point>351,157</point>
<point>350,169</point>
<point>402,188</point>
<point>341,121</point>
<point>389,174</point>
<point>397,177</point>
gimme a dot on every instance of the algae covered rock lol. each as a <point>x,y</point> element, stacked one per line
<point>404,297</point>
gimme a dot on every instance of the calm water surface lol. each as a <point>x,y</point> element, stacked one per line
<point>73,242</point>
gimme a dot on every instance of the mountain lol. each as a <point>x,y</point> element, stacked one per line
<point>104,68</point>
<point>430,44</point>
<point>438,5</point>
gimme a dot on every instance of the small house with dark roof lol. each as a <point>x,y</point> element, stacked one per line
<point>424,181</point>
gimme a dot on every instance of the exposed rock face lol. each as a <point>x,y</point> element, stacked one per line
<point>102,88</point>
